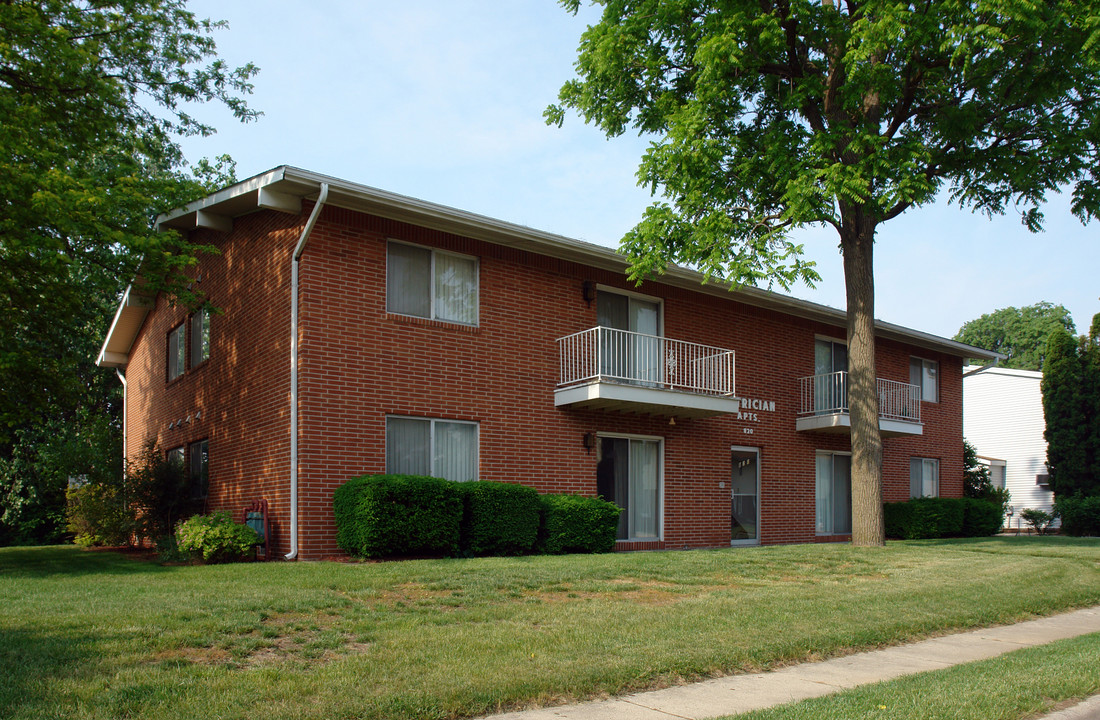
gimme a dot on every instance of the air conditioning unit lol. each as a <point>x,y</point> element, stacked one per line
<point>1042,479</point>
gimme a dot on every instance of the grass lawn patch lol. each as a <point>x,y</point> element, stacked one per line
<point>102,635</point>
<point>1018,685</point>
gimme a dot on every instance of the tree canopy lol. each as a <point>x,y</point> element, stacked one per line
<point>1020,334</point>
<point>768,115</point>
<point>94,96</point>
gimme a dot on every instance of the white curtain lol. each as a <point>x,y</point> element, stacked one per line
<point>824,476</point>
<point>834,494</point>
<point>408,446</point>
<point>924,477</point>
<point>455,289</point>
<point>408,280</point>
<point>455,456</point>
<point>644,501</point>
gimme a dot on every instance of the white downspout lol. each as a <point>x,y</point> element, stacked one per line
<point>123,379</point>
<point>298,250</point>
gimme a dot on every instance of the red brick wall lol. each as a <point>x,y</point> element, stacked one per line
<point>359,364</point>
<point>241,392</point>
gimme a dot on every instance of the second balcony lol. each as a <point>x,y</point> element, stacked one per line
<point>823,405</point>
<point>612,369</point>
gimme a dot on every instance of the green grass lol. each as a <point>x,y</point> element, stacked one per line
<point>1015,686</point>
<point>101,635</point>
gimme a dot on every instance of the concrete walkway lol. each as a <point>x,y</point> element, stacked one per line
<point>742,693</point>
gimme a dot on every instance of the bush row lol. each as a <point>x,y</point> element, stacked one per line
<point>1080,515</point>
<point>942,517</point>
<point>403,515</point>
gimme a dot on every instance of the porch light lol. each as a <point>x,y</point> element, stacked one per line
<point>589,291</point>
<point>589,441</point>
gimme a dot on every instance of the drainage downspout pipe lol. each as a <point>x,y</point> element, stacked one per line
<point>297,258</point>
<point>123,379</point>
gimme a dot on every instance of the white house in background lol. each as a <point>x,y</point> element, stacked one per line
<point>1003,420</point>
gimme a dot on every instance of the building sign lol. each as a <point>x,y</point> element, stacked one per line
<point>752,407</point>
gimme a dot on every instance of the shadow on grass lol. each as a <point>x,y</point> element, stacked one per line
<point>32,664</point>
<point>70,561</point>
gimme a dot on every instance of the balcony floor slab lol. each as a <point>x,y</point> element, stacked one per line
<point>663,402</point>
<point>842,423</point>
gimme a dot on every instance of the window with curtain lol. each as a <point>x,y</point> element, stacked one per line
<point>628,474</point>
<point>439,448</point>
<point>200,337</point>
<point>177,352</point>
<point>925,374</point>
<point>834,493</point>
<point>428,283</point>
<point>924,477</point>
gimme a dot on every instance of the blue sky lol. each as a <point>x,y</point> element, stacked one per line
<point>442,100</point>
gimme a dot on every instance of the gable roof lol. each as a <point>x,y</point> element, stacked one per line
<point>283,189</point>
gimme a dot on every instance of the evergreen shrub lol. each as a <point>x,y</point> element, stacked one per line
<point>576,524</point>
<point>396,515</point>
<point>982,518</point>
<point>498,518</point>
<point>1080,515</point>
<point>926,517</point>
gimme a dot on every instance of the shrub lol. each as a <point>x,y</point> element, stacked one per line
<point>981,517</point>
<point>215,537</point>
<point>926,517</point>
<point>97,515</point>
<point>1080,515</point>
<point>576,524</point>
<point>498,518</point>
<point>387,515</point>
<point>1040,520</point>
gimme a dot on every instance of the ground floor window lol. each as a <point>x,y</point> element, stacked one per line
<point>834,493</point>
<point>629,475</point>
<point>441,448</point>
<point>924,477</point>
<point>198,468</point>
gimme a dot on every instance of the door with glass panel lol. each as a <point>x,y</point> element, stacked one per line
<point>632,356</point>
<point>834,493</point>
<point>830,377</point>
<point>745,497</point>
<point>628,474</point>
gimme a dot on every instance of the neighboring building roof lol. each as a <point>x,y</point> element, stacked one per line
<point>998,370</point>
<point>284,188</point>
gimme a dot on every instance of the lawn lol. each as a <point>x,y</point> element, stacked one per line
<point>102,635</point>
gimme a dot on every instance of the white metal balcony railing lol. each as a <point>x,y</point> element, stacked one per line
<point>604,354</point>
<point>828,394</point>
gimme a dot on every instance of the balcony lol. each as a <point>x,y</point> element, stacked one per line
<point>823,406</point>
<point>605,368</point>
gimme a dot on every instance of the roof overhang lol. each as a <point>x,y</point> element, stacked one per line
<point>284,188</point>
<point>129,318</point>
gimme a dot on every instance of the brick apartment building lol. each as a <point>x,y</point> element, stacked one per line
<point>434,341</point>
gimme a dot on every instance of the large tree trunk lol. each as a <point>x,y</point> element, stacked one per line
<point>857,242</point>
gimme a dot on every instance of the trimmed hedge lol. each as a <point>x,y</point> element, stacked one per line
<point>1080,515</point>
<point>498,518</point>
<point>576,524</point>
<point>942,517</point>
<point>387,515</point>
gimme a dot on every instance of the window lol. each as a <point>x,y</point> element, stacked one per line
<point>200,337</point>
<point>924,477</point>
<point>634,355</point>
<point>175,456</point>
<point>177,352</point>
<point>628,474</point>
<point>830,376</point>
<point>834,493</point>
<point>431,284</point>
<point>925,375</point>
<point>440,448</point>
<point>198,471</point>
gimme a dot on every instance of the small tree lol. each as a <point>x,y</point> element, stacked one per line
<point>1071,406</point>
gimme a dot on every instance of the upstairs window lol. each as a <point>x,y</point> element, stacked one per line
<point>200,337</point>
<point>432,284</point>
<point>925,374</point>
<point>177,352</point>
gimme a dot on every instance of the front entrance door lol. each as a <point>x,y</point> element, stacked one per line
<point>745,505</point>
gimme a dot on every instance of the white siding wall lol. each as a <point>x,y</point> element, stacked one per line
<point>1003,419</point>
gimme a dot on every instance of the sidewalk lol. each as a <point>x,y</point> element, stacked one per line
<point>742,693</point>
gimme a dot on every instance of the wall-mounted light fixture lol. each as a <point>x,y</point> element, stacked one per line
<point>589,441</point>
<point>589,291</point>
